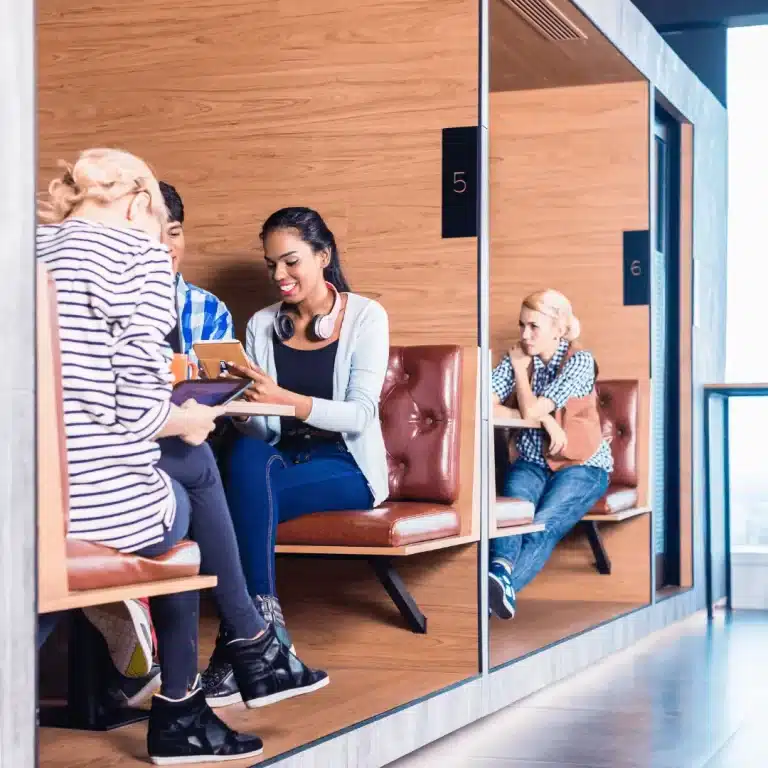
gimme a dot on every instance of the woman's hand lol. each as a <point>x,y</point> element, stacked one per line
<point>198,421</point>
<point>518,358</point>
<point>266,390</point>
<point>558,440</point>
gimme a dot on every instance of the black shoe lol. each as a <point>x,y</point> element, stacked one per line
<point>187,731</point>
<point>218,680</point>
<point>267,672</point>
<point>133,691</point>
<point>272,613</point>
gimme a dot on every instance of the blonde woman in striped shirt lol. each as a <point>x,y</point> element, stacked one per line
<point>102,245</point>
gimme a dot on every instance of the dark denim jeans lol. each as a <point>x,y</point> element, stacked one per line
<point>266,486</point>
<point>561,498</point>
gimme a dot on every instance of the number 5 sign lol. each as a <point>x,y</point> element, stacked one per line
<point>460,182</point>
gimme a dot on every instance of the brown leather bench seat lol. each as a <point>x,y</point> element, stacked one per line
<point>618,406</point>
<point>92,566</point>
<point>390,525</point>
<point>511,513</point>
<point>420,412</point>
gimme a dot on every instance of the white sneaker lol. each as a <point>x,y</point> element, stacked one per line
<point>127,629</point>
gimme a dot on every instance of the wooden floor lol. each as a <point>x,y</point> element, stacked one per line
<point>352,696</point>
<point>539,623</point>
<point>342,621</point>
<point>692,696</point>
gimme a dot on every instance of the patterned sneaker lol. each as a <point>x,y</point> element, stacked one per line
<point>501,593</point>
<point>127,629</point>
<point>267,672</point>
<point>218,680</point>
<point>271,611</point>
<point>133,691</point>
<point>187,731</point>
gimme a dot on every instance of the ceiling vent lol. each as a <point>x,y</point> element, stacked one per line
<point>547,19</point>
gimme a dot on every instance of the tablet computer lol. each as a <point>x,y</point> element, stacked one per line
<point>209,391</point>
<point>214,356</point>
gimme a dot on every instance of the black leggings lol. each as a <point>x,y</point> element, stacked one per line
<point>202,513</point>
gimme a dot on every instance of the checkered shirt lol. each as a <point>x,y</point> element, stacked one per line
<point>577,379</point>
<point>202,316</point>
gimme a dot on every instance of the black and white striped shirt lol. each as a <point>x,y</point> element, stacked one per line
<point>116,306</point>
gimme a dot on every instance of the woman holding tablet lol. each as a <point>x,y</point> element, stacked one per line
<point>324,351</point>
<point>115,298</point>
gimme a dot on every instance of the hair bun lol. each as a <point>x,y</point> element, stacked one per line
<point>574,329</point>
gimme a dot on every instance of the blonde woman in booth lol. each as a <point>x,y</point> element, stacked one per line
<point>141,476</point>
<point>563,467</point>
<point>323,350</point>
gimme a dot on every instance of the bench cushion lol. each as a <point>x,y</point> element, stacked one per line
<point>618,405</point>
<point>618,499</point>
<point>512,512</point>
<point>93,566</point>
<point>420,411</point>
<point>393,524</point>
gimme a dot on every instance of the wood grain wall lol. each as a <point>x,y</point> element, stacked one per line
<point>569,174</point>
<point>251,105</point>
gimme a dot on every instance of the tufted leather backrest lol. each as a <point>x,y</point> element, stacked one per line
<point>420,409</point>
<point>618,405</point>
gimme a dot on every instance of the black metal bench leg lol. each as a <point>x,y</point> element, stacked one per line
<point>401,597</point>
<point>87,707</point>
<point>602,561</point>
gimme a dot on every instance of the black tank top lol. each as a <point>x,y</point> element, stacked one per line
<point>307,372</point>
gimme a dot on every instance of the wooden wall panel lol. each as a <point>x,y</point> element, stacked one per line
<point>569,174</point>
<point>686,351</point>
<point>252,105</point>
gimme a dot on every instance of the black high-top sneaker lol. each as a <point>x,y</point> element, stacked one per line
<point>218,680</point>
<point>267,672</point>
<point>271,611</point>
<point>187,731</point>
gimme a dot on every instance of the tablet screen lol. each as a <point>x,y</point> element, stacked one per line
<point>209,391</point>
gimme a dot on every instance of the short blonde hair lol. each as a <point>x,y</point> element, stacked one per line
<point>103,176</point>
<point>554,304</point>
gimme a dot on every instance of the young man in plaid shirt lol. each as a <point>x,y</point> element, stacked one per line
<point>202,316</point>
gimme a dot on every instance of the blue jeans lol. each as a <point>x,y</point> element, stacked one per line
<point>562,498</point>
<point>266,486</point>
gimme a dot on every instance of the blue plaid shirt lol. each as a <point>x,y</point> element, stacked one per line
<point>202,316</point>
<point>577,379</point>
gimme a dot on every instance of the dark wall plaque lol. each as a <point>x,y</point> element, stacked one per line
<point>637,268</point>
<point>460,183</point>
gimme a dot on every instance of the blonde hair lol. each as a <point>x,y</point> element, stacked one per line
<point>102,176</point>
<point>554,304</point>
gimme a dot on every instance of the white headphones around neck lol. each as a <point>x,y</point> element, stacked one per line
<point>321,327</point>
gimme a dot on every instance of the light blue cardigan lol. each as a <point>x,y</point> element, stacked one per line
<point>358,377</point>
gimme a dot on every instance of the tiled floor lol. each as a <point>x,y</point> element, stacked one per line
<point>693,696</point>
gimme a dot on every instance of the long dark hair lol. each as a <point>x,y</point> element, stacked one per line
<point>315,233</point>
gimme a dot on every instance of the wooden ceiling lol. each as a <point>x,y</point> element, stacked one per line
<point>522,58</point>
